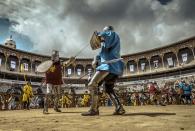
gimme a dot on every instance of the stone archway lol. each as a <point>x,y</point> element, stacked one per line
<point>79,70</point>
<point>25,65</point>
<point>89,69</point>
<point>2,61</point>
<point>69,71</point>
<point>170,60</point>
<point>143,65</point>
<point>35,65</point>
<point>12,63</point>
<point>131,67</point>
<point>185,55</point>
<point>156,62</point>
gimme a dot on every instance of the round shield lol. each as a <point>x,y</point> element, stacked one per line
<point>43,67</point>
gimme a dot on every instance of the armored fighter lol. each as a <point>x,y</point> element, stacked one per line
<point>109,68</point>
<point>54,80</point>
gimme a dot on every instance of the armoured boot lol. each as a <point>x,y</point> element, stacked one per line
<point>94,109</point>
<point>93,87</point>
<point>91,112</point>
<point>57,110</point>
<point>45,109</point>
<point>119,110</point>
<point>56,104</point>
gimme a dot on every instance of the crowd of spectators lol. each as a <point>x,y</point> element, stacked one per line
<point>156,92</point>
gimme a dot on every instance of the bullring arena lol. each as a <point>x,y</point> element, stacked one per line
<point>137,118</point>
<point>167,66</point>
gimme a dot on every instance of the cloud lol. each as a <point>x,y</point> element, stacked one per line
<point>68,25</point>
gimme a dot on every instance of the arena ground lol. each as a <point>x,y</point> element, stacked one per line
<point>139,118</point>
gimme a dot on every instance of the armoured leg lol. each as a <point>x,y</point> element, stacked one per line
<point>56,99</point>
<point>45,109</point>
<point>109,85</point>
<point>24,105</point>
<point>46,99</point>
<point>93,88</point>
<point>28,104</point>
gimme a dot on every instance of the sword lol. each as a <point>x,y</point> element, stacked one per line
<point>111,61</point>
<point>105,62</point>
<point>83,76</point>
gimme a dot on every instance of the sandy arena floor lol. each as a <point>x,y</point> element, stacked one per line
<point>142,118</point>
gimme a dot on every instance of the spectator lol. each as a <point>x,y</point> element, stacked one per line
<point>1,103</point>
<point>86,99</point>
<point>27,95</point>
<point>187,89</point>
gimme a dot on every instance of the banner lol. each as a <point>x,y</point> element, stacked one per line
<point>131,68</point>
<point>170,61</point>
<point>25,66</point>
<point>89,71</point>
<point>184,57</point>
<point>13,65</point>
<point>22,67</point>
<point>155,64</point>
<point>78,72</point>
<point>69,71</point>
<point>143,66</point>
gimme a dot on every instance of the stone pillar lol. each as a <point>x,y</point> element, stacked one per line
<point>176,54</point>
<point>19,61</point>
<point>162,59</point>
<point>192,48</point>
<point>148,58</point>
<point>6,58</point>
<point>31,66</point>
<point>126,68</point>
<point>137,62</point>
<point>74,75</point>
<point>84,68</point>
<point>64,71</point>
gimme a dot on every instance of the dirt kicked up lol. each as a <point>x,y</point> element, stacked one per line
<point>139,118</point>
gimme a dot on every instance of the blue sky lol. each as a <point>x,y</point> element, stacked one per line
<point>22,42</point>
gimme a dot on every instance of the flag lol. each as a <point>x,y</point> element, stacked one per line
<point>143,66</point>
<point>184,57</point>
<point>13,65</point>
<point>170,61</point>
<point>78,72</point>
<point>131,68</point>
<point>25,66</point>
<point>69,71</point>
<point>89,71</point>
<point>22,67</point>
<point>155,64</point>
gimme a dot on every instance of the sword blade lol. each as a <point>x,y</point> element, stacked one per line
<point>111,61</point>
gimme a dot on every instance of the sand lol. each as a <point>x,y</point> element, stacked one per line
<point>139,118</point>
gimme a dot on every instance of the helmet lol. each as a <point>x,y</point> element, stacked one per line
<point>55,55</point>
<point>108,28</point>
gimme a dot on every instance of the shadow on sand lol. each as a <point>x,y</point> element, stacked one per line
<point>65,112</point>
<point>72,112</point>
<point>150,114</point>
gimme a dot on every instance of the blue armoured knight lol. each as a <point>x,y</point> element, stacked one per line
<point>106,73</point>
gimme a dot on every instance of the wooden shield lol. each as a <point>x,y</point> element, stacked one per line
<point>43,67</point>
<point>95,41</point>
